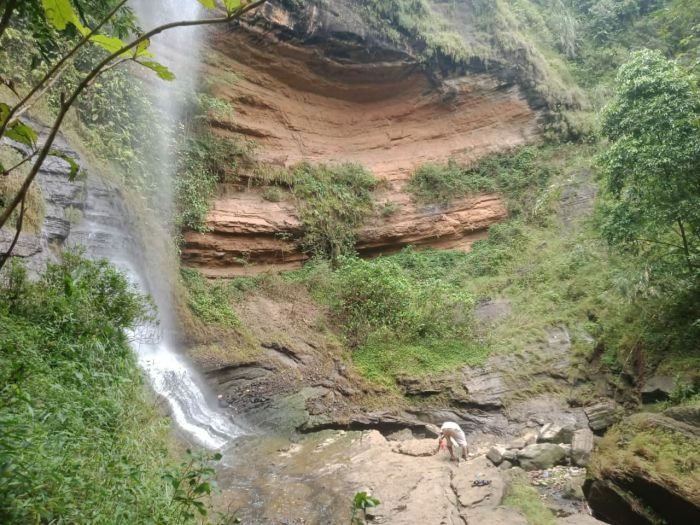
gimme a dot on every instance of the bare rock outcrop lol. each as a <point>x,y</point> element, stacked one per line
<point>319,84</point>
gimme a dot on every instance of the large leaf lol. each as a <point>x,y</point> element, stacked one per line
<point>209,4</point>
<point>22,133</point>
<point>111,44</point>
<point>59,13</point>
<point>4,112</point>
<point>74,167</point>
<point>162,71</point>
<point>232,5</point>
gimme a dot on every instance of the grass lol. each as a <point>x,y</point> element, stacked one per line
<point>211,302</point>
<point>525,498</point>
<point>383,359</point>
<point>638,445</point>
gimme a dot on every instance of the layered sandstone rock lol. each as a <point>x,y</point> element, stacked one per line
<point>317,83</point>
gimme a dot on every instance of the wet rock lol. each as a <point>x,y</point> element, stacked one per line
<point>551,433</point>
<point>602,415</point>
<point>658,388</point>
<point>581,446</point>
<point>495,455</point>
<point>541,456</point>
<point>686,414</point>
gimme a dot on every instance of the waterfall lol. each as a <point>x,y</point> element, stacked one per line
<point>109,231</point>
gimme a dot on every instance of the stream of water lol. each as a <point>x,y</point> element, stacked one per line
<point>108,231</point>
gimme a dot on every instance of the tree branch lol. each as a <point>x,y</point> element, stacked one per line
<point>55,69</point>
<point>24,160</point>
<point>65,106</point>
<point>7,14</point>
<point>20,220</point>
<point>685,246</point>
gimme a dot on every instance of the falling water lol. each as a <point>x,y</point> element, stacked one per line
<point>109,232</point>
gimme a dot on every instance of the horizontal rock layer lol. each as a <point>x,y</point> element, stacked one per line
<point>315,83</point>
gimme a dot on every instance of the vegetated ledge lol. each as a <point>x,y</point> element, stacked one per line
<point>318,84</point>
<point>250,235</point>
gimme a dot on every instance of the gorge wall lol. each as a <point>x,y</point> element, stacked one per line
<point>318,83</point>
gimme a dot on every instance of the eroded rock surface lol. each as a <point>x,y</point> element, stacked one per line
<point>317,83</point>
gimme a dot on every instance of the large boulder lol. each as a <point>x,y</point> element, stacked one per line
<point>645,472</point>
<point>658,388</point>
<point>687,414</point>
<point>541,456</point>
<point>551,433</point>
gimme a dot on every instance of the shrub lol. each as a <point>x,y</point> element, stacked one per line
<point>333,202</point>
<point>80,440</point>
<point>520,177</point>
<point>205,161</point>
<point>274,194</point>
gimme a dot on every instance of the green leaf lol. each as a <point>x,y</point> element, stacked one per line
<point>232,5</point>
<point>162,71</point>
<point>74,168</point>
<point>209,4</point>
<point>4,112</point>
<point>111,44</point>
<point>59,13</point>
<point>22,133</point>
<point>142,49</point>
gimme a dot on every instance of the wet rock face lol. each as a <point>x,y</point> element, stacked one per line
<point>61,198</point>
<point>317,83</point>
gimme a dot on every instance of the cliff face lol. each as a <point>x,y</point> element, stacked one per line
<point>317,83</point>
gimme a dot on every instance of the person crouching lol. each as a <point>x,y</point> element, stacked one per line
<point>452,435</point>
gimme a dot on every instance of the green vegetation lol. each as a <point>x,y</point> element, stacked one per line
<point>80,438</point>
<point>650,167</point>
<point>416,19</point>
<point>397,318</point>
<point>522,496</point>
<point>521,176</point>
<point>643,444</point>
<point>35,207</point>
<point>205,161</point>
<point>333,202</point>
<point>211,301</point>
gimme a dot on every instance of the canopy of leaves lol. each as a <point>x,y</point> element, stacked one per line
<point>652,165</point>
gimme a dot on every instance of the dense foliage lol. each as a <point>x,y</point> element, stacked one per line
<point>521,176</point>
<point>333,202</point>
<point>80,439</point>
<point>651,165</point>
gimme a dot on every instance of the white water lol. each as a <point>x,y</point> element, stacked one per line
<point>108,232</point>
